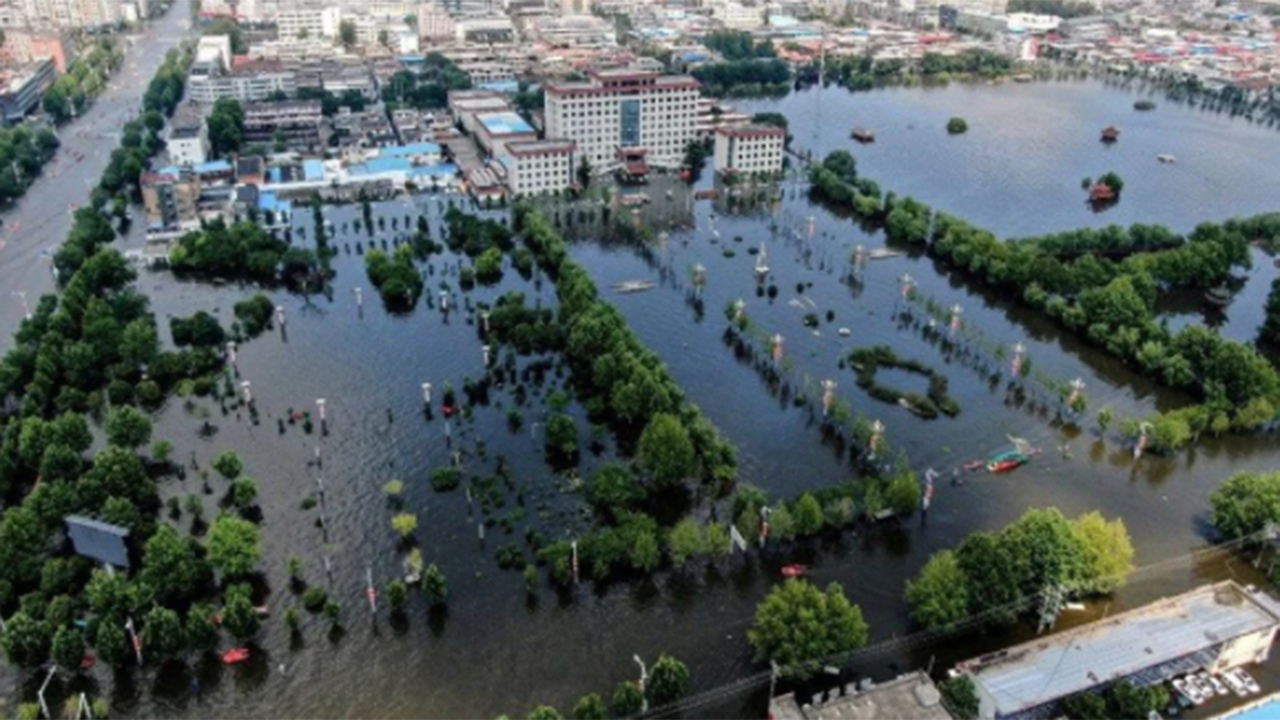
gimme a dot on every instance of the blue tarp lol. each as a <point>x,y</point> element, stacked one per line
<point>313,169</point>
<point>502,86</point>
<point>213,166</point>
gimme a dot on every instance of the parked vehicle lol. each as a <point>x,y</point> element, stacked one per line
<point>1218,686</point>
<point>1234,683</point>
<point>1251,685</point>
<point>1187,690</point>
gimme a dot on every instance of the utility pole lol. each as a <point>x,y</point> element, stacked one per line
<point>644,678</point>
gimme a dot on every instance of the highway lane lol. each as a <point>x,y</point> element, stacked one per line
<point>39,221</point>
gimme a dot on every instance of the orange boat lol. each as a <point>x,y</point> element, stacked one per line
<point>235,655</point>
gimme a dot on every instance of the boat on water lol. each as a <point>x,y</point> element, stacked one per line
<point>882,254</point>
<point>863,135</point>
<point>1166,158</point>
<point>630,286</point>
<point>1110,134</point>
<point>1218,296</point>
<point>1006,461</point>
<point>793,571</point>
<point>235,655</point>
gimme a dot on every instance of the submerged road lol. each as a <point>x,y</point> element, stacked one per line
<point>38,222</point>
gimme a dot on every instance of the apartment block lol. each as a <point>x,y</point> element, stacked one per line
<point>624,109</point>
<point>188,145</point>
<point>308,22</point>
<point>541,166</point>
<point>246,82</point>
<point>749,149</point>
<point>296,123</point>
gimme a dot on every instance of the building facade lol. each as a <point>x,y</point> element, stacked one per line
<point>188,145</point>
<point>620,109</point>
<point>541,166</point>
<point>208,83</point>
<point>296,123</point>
<point>749,149</point>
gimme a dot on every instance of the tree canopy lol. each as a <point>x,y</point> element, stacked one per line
<point>798,626</point>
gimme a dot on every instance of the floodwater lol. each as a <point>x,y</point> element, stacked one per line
<point>499,651</point>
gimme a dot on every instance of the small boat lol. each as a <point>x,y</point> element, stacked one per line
<point>845,332</point>
<point>1164,158</point>
<point>974,466</point>
<point>863,135</point>
<point>1110,134</point>
<point>448,410</point>
<point>631,286</point>
<point>882,254</point>
<point>1006,461</point>
<point>793,571</point>
<point>88,661</point>
<point>1218,296</point>
<point>235,655</point>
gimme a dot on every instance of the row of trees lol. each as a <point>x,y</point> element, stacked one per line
<point>996,576</point>
<point>668,681</point>
<point>22,155</point>
<point>744,77</point>
<point>1104,284</point>
<point>738,45</point>
<point>865,72</point>
<point>429,87</point>
<point>396,277</point>
<point>85,78</point>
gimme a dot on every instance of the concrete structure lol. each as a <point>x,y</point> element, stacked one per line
<point>739,17</point>
<point>488,30</point>
<point>188,145</point>
<point>295,122</point>
<point>749,149</point>
<point>434,24</point>
<point>70,14</point>
<point>1212,628</point>
<point>495,130</point>
<point>247,82</point>
<point>22,88</point>
<point>214,49</point>
<point>308,22</point>
<point>541,166</point>
<point>24,46</point>
<point>625,109</point>
<point>171,200</point>
<point>909,697</point>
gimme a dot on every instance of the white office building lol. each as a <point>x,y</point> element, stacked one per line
<point>188,146</point>
<point>539,166</point>
<point>619,110</point>
<point>308,22</point>
<point>749,149</point>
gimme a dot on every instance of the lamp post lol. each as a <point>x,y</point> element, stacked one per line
<point>1076,386</point>
<point>877,432</point>
<point>426,393</point>
<point>644,678</point>
<point>828,395</point>
<point>956,312</point>
<point>1016,365</point>
<point>908,284</point>
<point>776,346</point>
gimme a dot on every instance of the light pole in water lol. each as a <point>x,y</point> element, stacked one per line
<point>644,678</point>
<point>1016,365</point>
<point>248,396</point>
<point>956,312</point>
<point>426,394</point>
<point>828,394</point>
<point>1077,386</point>
<point>231,352</point>
<point>877,432</point>
<point>777,349</point>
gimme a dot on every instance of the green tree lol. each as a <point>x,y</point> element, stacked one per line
<point>960,696</point>
<point>1126,700</point>
<point>226,126</point>
<point>233,546</point>
<point>797,625</point>
<point>957,126</point>
<point>590,707</point>
<point>903,493</point>
<point>162,633</point>
<point>627,699</point>
<point>684,541</point>
<point>668,680</point>
<point>244,491</point>
<point>397,594</point>
<point>405,525</point>
<point>111,641</point>
<point>128,427</point>
<point>347,34</point>
<point>939,597</point>
<point>434,586</point>
<point>239,616</point>
<point>1085,706</point>
<point>613,490</point>
<point>172,572</point>
<point>200,631</point>
<point>665,450</point>
<point>718,540</point>
<point>1108,552</point>
<point>562,436</point>
<point>25,641</point>
<point>1045,551</point>
<point>68,648</point>
<point>808,515</point>
<point>1246,503</point>
<point>545,712</point>
<point>228,464</point>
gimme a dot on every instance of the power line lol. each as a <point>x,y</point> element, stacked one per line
<point>926,637</point>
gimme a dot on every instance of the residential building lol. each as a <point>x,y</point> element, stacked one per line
<point>23,45</point>
<point>539,166</point>
<point>246,82</point>
<point>739,17</point>
<point>296,123</point>
<point>434,24</point>
<point>1212,628</point>
<point>485,30</point>
<point>908,697</point>
<point>171,200</point>
<point>22,87</point>
<point>71,14</point>
<point>214,49</point>
<point>308,22</point>
<point>617,109</point>
<point>188,145</point>
<point>749,149</point>
<point>576,31</point>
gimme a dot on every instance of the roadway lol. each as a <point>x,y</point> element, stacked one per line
<point>38,222</point>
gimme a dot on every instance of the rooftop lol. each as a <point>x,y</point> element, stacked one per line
<point>504,123</point>
<point>540,147</point>
<point>1075,660</point>
<point>910,697</point>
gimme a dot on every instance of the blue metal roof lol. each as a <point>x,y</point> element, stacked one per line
<point>424,148</point>
<point>441,170</point>
<point>381,165</point>
<point>171,170</point>
<point>504,123</point>
<point>502,86</point>
<point>313,169</point>
<point>213,166</point>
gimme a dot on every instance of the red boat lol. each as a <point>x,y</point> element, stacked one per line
<point>448,410</point>
<point>235,655</point>
<point>1005,465</point>
<point>793,571</point>
<point>87,662</point>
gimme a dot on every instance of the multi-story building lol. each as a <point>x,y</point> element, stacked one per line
<point>539,166</point>
<point>434,24</point>
<point>188,145</point>
<point>22,45</point>
<point>22,87</point>
<point>752,150</point>
<point>248,82</point>
<point>488,29</point>
<point>295,123</point>
<point>214,49</point>
<point>495,130</point>
<point>171,200</point>
<point>738,16</point>
<point>624,109</point>
<point>69,14</point>
<point>305,22</point>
